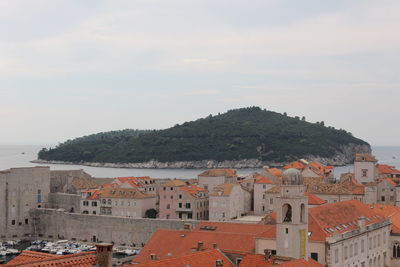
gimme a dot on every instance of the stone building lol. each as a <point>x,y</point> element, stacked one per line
<point>261,184</point>
<point>21,189</point>
<point>143,183</point>
<point>90,201</point>
<point>227,202</point>
<point>211,178</point>
<point>365,169</point>
<point>126,202</point>
<point>192,203</point>
<point>168,195</point>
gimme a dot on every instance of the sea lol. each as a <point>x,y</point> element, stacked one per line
<point>13,156</point>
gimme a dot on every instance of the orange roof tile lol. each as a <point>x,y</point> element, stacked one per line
<point>226,227</point>
<point>197,259</point>
<point>389,211</point>
<point>255,260</point>
<point>314,200</point>
<point>174,183</point>
<point>192,190</point>
<point>274,171</point>
<point>136,181</point>
<point>28,259</point>
<point>223,190</point>
<point>262,180</point>
<point>294,165</point>
<point>387,169</point>
<point>365,157</point>
<point>131,193</point>
<point>219,172</point>
<point>334,216</point>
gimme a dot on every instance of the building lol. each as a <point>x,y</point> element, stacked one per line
<point>211,178</point>
<point>261,184</point>
<point>90,201</point>
<point>365,168</point>
<point>127,202</point>
<point>144,183</point>
<point>192,203</point>
<point>21,189</point>
<point>227,202</point>
<point>168,194</point>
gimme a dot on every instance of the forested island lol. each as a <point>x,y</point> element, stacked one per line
<point>242,134</point>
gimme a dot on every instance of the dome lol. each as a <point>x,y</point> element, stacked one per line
<point>292,177</point>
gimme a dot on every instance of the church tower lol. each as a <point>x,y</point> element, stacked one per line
<point>292,217</point>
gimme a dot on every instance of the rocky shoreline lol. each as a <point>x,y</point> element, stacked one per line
<point>340,159</point>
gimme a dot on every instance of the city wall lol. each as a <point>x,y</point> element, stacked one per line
<point>53,224</point>
<point>68,202</point>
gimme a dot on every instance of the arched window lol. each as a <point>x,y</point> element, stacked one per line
<point>303,213</point>
<point>287,213</point>
<point>396,250</point>
<point>109,202</point>
<point>103,201</point>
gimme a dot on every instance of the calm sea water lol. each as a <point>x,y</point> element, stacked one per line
<point>19,156</point>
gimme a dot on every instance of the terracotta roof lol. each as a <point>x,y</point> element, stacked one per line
<point>222,190</point>
<point>389,211</point>
<point>192,190</point>
<point>219,172</point>
<point>174,183</point>
<point>294,165</point>
<point>93,193</point>
<point>260,261</point>
<point>83,183</point>
<point>29,256</point>
<point>135,181</point>
<point>276,172</point>
<point>131,193</point>
<point>205,258</point>
<point>338,218</point>
<point>389,180</point>
<point>176,243</point>
<point>262,180</point>
<point>365,157</point>
<point>226,227</point>
<point>387,169</point>
<point>28,259</point>
<point>314,200</point>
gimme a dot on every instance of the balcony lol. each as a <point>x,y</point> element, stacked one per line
<point>184,209</point>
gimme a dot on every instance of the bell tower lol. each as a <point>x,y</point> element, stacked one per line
<point>292,217</point>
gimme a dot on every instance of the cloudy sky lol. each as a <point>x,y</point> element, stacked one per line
<point>71,68</point>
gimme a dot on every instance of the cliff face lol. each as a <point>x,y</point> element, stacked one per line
<point>344,156</point>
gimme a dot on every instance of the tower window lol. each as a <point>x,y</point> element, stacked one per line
<point>286,230</point>
<point>287,213</point>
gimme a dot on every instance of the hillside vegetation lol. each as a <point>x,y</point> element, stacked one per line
<point>247,133</point>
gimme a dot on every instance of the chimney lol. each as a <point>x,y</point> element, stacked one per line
<point>267,254</point>
<point>214,245</point>
<point>104,254</point>
<point>153,257</point>
<point>219,263</point>
<point>361,223</point>
<point>199,246</point>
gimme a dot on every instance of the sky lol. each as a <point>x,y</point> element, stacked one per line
<point>70,68</point>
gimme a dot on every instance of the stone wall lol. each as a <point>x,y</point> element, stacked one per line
<point>50,223</point>
<point>65,201</point>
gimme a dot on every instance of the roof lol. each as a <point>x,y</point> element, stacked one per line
<point>338,218</point>
<point>389,180</point>
<point>174,183</point>
<point>260,261</point>
<point>37,259</point>
<point>135,181</point>
<point>274,171</point>
<point>294,165</point>
<point>222,190</point>
<point>387,169</point>
<point>389,211</point>
<point>365,157</point>
<point>227,227</point>
<point>219,172</point>
<point>314,200</point>
<point>83,183</point>
<point>185,243</point>
<point>129,193</point>
<point>262,180</point>
<point>205,258</point>
<point>93,193</point>
<point>192,190</point>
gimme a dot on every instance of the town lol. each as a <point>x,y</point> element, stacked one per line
<point>297,215</point>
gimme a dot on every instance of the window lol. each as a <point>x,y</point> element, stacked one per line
<point>26,221</point>
<point>172,188</point>
<point>314,256</point>
<point>187,205</point>
<point>264,186</point>
<point>190,216</point>
<point>336,255</point>
<point>94,212</point>
<point>180,196</point>
<point>94,204</point>
<point>85,203</point>
<point>168,206</point>
<point>362,246</point>
<point>364,172</point>
<point>345,253</point>
<point>164,188</point>
<point>287,213</point>
<point>271,201</point>
<point>109,202</point>
<point>382,198</point>
<point>223,215</point>
<point>379,240</point>
<point>286,230</point>
<point>356,249</point>
<point>180,205</point>
<point>263,196</point>
<point>370,243</point>
<point>351,251</point>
